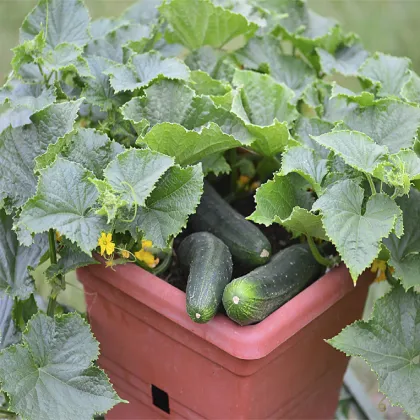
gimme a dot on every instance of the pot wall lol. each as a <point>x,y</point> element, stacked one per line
<point>160,361</point>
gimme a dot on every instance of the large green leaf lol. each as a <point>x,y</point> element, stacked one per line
<point>356,230</point>
<point>112,45</point>
<point>64,201</point>
<point>9,334</point>
<point>346,60</point>
<point>283,201</point>
<point>20,146</point>
<point>143,69</point>
<point>306,128</point>
<point>188,147</point>
<point>18,101</point>
<point>390,73</point>
<point>91,149</point>
<point>16,260</point>
<point>405,251</point>
<point>165,214</point>
<point>390,344</point>
<point>51,376</point>
<point>388,122</point>
<point>265,107</point>
<point>411,90</point>
<point>143,11</point>
<point>97,89</point>
<point>134,173</point>
<point>171,101</point>
<point>199,22</point>
<point>206,59</point>
<point>307,163</point>
<point>64,21</point>
<point>356,149</point>
<point>266,51</point>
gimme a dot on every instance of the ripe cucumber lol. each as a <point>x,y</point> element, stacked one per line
<point>251,298</point>
<point>209,263</point>
<point>246,242</point>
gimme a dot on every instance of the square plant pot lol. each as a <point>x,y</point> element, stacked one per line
<point>167,366</point>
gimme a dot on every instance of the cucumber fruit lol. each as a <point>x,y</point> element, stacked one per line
<point>246,242</point>
<point>251,298</point>
<point>209,263</point>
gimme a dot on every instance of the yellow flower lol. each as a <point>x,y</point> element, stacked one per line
<point>58,236</point>
<point>110,264</point>
<point>147,257</point>
<point>125,254</point>
<point>379,267</point>
<point>146,244</point>
<point>106,244</point>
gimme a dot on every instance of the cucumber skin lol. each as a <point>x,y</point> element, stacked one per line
<point>267,288</point>
<point>209,263</point>
<point>245,241</point>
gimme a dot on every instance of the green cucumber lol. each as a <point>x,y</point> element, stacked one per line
<point>209,263</point>
<point>251,298</point>
<point>246,242</point>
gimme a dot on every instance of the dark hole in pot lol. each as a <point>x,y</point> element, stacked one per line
<point>160,399</point>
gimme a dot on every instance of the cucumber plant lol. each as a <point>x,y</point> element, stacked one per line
<point>108,128</point>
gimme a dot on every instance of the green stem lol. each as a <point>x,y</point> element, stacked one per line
<point>390,278</point>
<point>317,255</point>
<point>372,185</point>
<point>7,413</point>
<point>52,301</point>
<point>44,76</point>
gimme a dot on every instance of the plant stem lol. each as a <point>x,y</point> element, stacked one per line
<point>317,255</point>
<point>7,413</point>
<point>372,185</point>
<point>53,259</point>
<point>44,76</point>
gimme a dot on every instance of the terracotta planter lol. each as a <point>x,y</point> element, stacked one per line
<point>169,367</point>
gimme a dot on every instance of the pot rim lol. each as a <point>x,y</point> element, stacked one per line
<point>244,342</point>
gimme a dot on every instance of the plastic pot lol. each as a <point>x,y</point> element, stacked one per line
<point>167,366</point>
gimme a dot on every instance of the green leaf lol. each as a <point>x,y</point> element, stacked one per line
<point>265,107</point>
<point>188,147</point>
<point>20,146</point>
<point>388,72</point>
<point>16,260</point>
<point>405,251</point>
<point>346,60</point>
<point>113,44</point>
<point>9,334</point>
<point>306,128</point>
<point>142,69</point>
<point>216,164</point>
<point>265,52</point>
<point>21,101</point>
<point>362,98</point>
<point>204,84</point>
<point>143,11</point>
<point>71,258</point>
<point>206,59</point>
<point>134,173</point>
<point>356,230</point>
<point>282,201</point>
<point>356,149</point>
<point>199,22</point>
<point>51,376</point>
<point>171,101</point>
<point>176,196</point>
<point>99,28</point>
<point>390,344</point>
<point>63,21</point>
<point>307,163</point>
<point>411,90</point>
<point>388,122</point>
<point>91,149</point>
<point>64,201</point>
<point>97,89</point>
